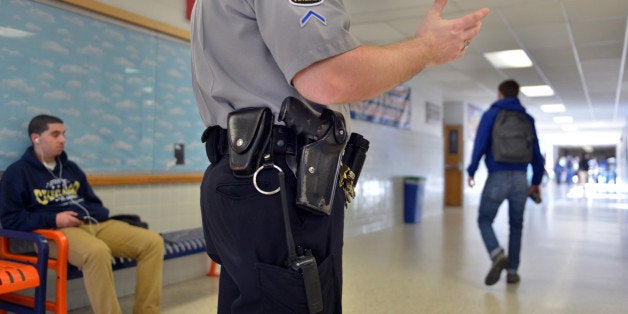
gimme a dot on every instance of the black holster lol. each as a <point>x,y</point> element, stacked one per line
<point>317,172</point>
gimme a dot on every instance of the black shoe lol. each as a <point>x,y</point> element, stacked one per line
<point>513,278</point>
<point>500,262</point>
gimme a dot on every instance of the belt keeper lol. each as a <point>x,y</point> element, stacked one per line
<point>214,138</point>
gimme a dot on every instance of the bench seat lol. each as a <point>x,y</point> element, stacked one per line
<point>176,244</point>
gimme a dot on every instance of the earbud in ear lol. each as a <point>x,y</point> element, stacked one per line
<point>37,140</point>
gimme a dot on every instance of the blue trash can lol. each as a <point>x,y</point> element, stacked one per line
<point>414,192</point>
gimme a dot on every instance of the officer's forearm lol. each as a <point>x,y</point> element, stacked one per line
<point>361,73</point>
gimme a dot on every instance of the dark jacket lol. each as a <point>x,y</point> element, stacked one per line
<point>483,138</point>
<point>31,195</point>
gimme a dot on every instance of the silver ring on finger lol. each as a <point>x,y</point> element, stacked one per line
<point>466,44</point>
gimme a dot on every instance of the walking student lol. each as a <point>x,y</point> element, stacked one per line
<point>506,138</point>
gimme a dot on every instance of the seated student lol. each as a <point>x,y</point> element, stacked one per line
<point>44,189</point>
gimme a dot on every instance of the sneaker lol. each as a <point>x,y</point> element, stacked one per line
<point>500,262</point>
<point>513,278</point>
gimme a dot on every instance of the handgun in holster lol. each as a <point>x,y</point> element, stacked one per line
<point>317,171</point>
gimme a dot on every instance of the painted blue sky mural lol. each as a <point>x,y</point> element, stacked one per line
<point>125,95</point>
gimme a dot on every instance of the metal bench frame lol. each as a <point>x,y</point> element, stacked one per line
<point>65,271</point>
<point>22,272</point>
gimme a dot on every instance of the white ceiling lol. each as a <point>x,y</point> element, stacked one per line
<point>577,48</point>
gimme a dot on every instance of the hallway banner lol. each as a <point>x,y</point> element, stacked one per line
<point>474,115</point>
<point>391,108</point>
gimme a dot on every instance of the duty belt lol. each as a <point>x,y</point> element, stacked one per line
<point>284,142</point>
<point>311,142</point>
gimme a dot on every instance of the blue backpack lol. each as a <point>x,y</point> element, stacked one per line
<point>512,137</point>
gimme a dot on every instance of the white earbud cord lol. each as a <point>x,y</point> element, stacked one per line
<point>65,189</point>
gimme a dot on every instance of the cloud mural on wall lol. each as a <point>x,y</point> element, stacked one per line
<point>124,95</point>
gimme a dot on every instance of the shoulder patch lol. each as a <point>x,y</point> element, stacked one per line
<point>311,14</point>
<point>306,3</point>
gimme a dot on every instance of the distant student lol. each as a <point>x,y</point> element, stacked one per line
<point>583,168</point>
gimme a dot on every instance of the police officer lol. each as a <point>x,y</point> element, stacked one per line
<point>252,53</point>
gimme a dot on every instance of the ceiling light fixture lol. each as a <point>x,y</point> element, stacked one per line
<point>537,91</point>
<point>569,128</point>
<point>553,108</point>
<point>508,59</point>
<point>563,119</point>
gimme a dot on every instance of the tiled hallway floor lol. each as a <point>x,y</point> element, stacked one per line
<point>574,260</point>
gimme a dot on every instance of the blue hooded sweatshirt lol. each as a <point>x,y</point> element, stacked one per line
<point>483,138</point>
<point>31,195</point>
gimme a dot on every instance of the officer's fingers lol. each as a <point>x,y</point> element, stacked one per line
<point>470,26</point>
<point>437,8</point>
<point>474,19</point>
<point>467,37</point>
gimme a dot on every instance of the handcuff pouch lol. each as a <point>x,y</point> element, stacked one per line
<point>249,131</point>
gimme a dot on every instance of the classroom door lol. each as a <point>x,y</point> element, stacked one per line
<point>453,165</point>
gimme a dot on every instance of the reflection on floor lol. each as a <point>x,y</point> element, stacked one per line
<point>574,260</point>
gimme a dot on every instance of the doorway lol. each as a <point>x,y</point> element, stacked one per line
<point>454,151</point>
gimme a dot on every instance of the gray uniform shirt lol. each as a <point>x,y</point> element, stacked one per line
<point>246,52</point>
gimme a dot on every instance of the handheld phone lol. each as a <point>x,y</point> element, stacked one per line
<point>535,197</point>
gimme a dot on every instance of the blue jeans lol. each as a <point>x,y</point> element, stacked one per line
<point>500,186</point>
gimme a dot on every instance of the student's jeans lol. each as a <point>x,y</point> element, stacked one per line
<point>500,186</point>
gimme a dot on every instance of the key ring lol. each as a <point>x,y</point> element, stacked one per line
<point>255,179</point>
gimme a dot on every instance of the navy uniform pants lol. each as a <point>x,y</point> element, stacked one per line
<point>245,234</point>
